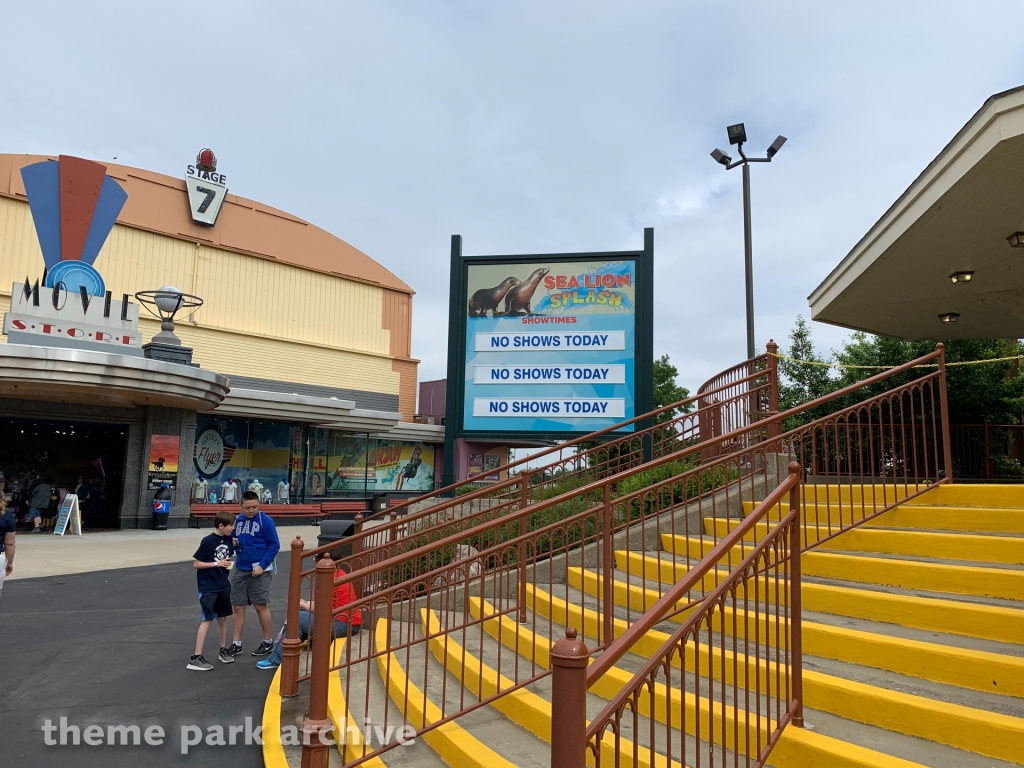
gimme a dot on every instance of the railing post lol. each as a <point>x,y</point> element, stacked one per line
<point>357,552</point>
<point>524,500</point>
<point>989,469</point>
<point>795,607</point>
<point>944,406</point>
<point>315,753</point>
<point>392,517</point>
<point>774,430</point>
<point>291,644</point>
<point>569,659</point>
<point>608,575</point>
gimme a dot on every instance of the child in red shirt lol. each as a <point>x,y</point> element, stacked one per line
<point>345,623</point>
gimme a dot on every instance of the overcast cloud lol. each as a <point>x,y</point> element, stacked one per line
<point>530,127</point>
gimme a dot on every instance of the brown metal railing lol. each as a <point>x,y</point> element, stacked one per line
<point>462,614</point>
<point>709,690</point>
<point>988,451</point>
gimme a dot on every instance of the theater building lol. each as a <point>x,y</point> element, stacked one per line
<point>285,364</point>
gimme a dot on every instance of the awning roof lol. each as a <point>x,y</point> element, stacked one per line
<point>955,216</point>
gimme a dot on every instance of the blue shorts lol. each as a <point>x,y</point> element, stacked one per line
<point>215,604</point>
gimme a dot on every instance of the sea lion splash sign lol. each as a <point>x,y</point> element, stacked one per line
<point>547,346</point>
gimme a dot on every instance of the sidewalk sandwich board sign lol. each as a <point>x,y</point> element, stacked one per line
<point>69,519</point>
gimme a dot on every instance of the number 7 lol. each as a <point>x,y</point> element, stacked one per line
<point>210,194</point>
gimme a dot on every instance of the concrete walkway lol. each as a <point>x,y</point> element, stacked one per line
<point>49,555</point>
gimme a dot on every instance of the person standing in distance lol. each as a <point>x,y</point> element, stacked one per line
<point>7,527</point>
<point>256,546</point>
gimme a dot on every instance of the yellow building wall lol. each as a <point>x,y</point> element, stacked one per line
<point>260,318</point>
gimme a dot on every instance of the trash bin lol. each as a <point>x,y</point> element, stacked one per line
<point>161,507</point>
<point>337,531</point>
<point>380,502</point>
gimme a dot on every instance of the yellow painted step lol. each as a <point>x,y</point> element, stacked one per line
<point>966,728</point>
<point>796,746</point>
<point>978,670</point>
<point>967,519</point>
<point>347,735</point>
<point>453,743</point>
<point>1006,496</point>
<point>880,494</point>
<point>1005,625</point>
<point>523,707</point>
<point>1006,550</point>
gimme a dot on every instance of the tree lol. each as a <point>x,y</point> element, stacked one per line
<point>666,391</point>
<point>993,391</point>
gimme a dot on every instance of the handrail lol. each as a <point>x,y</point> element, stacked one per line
<point>389,528</point>
<point>656,612</point>
<point>762,424</point>
<point>701,395</point>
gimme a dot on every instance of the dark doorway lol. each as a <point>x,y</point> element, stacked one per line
<point>63,451</point>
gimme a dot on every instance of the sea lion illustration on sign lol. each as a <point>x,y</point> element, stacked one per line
<point>489,298</point>
<point>517,300</point>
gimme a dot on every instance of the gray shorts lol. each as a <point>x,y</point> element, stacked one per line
<point>246,590</point>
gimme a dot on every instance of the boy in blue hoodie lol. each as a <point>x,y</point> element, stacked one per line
<point>256,545</point>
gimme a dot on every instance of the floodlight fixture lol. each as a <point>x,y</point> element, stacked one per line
<point>721,157</point>
<point>773,150</point>
<point>1016,240</point>
<point>962,276</point>
<point>737,133</point>
<point>949,317</point>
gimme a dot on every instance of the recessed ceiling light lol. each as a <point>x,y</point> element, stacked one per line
<point>963,276</point>
<point>949,317</point>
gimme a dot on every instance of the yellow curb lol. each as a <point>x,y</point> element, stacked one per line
<point>795,746</point>
<point>522,707</point>
<point>978,670</point>
<point>273,750</point>
<point>350,748</point>
<point>944,546</point>
<point>452,743</point>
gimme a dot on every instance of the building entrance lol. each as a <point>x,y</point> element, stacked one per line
<point>67,455</point>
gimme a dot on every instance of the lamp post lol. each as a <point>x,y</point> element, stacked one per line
<point>738,135</point>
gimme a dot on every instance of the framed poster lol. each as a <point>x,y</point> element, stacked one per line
<point>551,346</point>
<point>163,460</point>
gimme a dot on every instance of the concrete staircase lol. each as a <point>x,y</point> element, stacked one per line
<point>913,632</point>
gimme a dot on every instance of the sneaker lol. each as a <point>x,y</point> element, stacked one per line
<point>264,648</point>
<point>226,656</point>
<point>266,664</point>
<point>199,664</point>
<point>235,649</point>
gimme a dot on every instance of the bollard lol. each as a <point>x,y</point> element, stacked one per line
<point>569,659</point>
<point>316,754</point>
<point>290,646</point>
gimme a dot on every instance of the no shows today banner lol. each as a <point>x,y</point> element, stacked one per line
<point>549,345</point>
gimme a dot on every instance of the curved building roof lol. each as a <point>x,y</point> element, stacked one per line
<point>159,203</point>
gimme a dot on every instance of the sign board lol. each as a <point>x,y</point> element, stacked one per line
<point>69,518</point>
<point>58,317</point>
<point>163,460</point>
<point>551,346</point>
<point>205,195</point>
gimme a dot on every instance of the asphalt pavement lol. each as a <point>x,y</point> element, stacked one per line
<point>109,648</point>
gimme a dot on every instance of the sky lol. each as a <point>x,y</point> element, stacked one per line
<point>530,127</point>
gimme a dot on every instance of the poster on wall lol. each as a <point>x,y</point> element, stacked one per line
<point>551,346</point>
<point>491,463</point>
<point>163,460</point>
<point>402,467</point>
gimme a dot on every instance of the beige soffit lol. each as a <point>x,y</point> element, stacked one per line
<point>411,431</point>
<point>955,216</point>
<point>80,376</point>
<point>159,204</point>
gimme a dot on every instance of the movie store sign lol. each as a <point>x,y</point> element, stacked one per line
<point>57,317</point>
